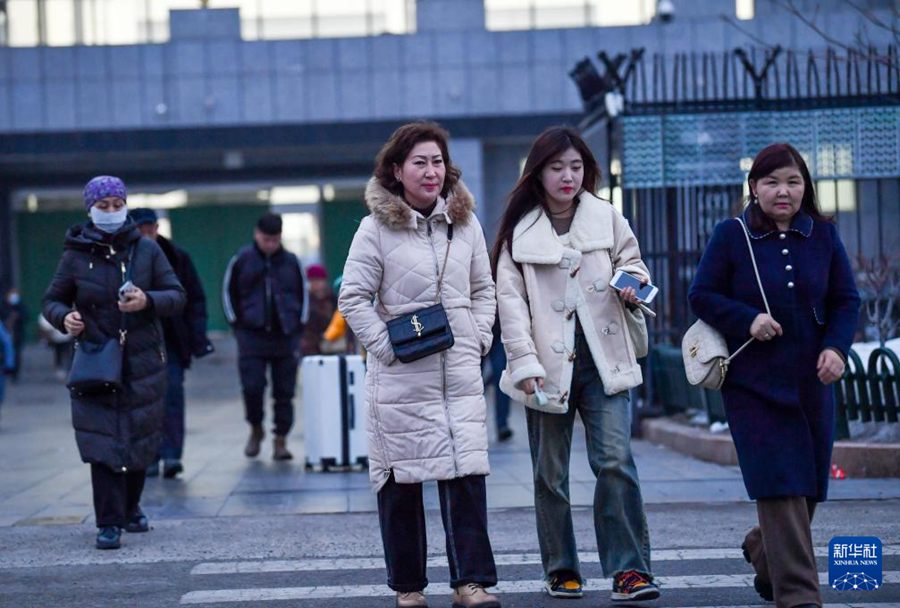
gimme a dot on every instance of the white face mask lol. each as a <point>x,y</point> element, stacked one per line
<point>109,221</point>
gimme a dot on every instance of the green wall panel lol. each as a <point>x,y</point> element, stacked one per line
<point>340,219</point>
<point>40,244</point>
<point>212,235</point>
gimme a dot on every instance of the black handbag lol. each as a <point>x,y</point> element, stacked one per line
<point>97,367</point>
<point>426,331</point>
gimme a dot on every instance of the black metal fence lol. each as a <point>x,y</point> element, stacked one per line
<point>673,226</point>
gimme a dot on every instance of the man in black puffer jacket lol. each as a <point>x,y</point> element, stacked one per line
<point>266,301</point>
<point>118,433</point>
<point>185,339</point>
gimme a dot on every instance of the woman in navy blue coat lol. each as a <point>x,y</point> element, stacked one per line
<point>778,398</point>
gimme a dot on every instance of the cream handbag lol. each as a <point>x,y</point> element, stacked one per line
<point>703,348</point>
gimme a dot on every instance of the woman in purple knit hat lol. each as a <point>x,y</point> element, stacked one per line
<point>113,284</point>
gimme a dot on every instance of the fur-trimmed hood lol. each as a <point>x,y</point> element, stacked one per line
<point>395,213</point>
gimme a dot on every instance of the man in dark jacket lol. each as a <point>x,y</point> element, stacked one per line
<point>185,336</point>
<point>266,302</point>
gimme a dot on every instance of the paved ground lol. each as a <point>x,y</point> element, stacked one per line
<point>234,532</point>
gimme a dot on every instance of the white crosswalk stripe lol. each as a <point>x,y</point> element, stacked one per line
<point>254,595</point>
<point>526,586</point>
<point>517,559</point>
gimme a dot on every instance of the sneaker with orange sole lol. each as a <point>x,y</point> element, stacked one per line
<point>632,585</point>
<point>564,586</point>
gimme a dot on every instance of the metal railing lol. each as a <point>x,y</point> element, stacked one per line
<point>868,393</point>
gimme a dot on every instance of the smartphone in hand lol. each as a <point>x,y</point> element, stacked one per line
<point>645,291</point>
<point>124,290</point>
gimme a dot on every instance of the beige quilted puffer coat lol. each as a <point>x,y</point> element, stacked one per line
<point>426,418</point>
<point>545,282</point>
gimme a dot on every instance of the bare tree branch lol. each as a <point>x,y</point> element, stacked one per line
<point>812,23</point>
<point>730,21</point>
<point>874,20</point>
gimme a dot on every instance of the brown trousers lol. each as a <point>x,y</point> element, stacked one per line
<point>781,550</point>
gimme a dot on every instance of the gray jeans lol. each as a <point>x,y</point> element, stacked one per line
<point>623,541</point>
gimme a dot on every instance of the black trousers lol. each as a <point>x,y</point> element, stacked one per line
<point>401,514</point>
<point>284,384</point>
<point>116,495</point>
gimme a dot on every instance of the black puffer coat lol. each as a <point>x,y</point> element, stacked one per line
<point>121,430</point>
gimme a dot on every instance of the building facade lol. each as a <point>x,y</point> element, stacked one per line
<point>213,115</point>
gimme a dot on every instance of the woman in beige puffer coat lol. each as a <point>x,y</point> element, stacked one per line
<point>566,331</point>
<point>427,417</point>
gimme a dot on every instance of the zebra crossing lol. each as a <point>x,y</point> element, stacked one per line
<point>711,575</point>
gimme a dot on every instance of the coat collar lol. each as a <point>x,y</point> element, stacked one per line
<point>392,211</point>
<point>535,242</point>
<point>801,223</point>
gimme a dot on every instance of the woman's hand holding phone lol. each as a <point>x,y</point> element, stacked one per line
<point>132,300</point>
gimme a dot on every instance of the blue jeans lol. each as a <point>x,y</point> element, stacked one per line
<point>173,426</point>
<point>497,358</point>
<point>620,524</point>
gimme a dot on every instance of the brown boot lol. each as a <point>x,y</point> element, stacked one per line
<point>256,437</point>
<point>279,449</point>
<point>473,595</point>
<point>413,599</point>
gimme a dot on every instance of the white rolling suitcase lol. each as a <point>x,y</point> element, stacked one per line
<point>334,411</point>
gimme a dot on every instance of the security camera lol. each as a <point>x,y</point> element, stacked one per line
<point>665,10</point>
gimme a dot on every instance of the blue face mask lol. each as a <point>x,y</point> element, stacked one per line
<point>109,221</point>
<point>13,299</point>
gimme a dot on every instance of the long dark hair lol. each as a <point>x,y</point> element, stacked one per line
<point>529,193</point>
<point>400,144</point>
<point>770,159</point>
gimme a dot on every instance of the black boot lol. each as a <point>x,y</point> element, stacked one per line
<point>108,537</point>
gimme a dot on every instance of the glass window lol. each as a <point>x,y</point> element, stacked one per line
<point>744,9</point>
<point>60,21</point>
<point>23,22</point>
<point>104,22</point>
<point>543,14</point>
<point>300,235</point>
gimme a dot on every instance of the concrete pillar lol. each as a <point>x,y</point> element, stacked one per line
<point>449,15</point>
<point>468,155</point>
<point>502,164</point>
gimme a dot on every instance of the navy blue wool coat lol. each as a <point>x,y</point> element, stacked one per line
<point>780,415</point>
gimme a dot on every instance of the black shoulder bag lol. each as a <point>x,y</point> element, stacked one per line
<point>97,368</point>
<point>426,331</point>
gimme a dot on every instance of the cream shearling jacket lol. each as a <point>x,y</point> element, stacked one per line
<point>544,283</point>
<point>426,418</point>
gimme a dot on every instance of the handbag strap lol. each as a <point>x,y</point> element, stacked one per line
<point>758,282</point>
<point>440,283</point>
<point>132,253</point>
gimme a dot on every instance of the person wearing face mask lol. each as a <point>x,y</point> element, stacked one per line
<point>572,344</point>
<point>798,330</point>
<point>12,315</point>
<point>266,301</point>
<point>421,246</point>
<point>117,433</point>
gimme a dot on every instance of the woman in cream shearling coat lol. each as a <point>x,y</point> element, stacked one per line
<point>426,417</point>
<point>566,331</point>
